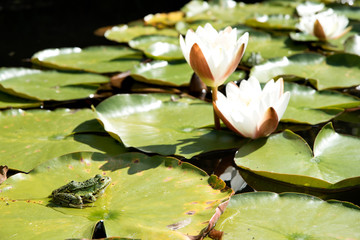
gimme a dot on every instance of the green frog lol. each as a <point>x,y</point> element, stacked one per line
<point>75,194</point>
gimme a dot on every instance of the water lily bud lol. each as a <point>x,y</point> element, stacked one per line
<point>325,25</point>
<point>250,111</point>
<point>213,55</point>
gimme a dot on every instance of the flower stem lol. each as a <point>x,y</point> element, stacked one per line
<point>216,118</point>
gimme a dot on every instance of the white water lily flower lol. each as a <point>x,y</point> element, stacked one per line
<point>309,8</point>
<point>250,111</point>
<point>325,25</point>
<point>213,55</point>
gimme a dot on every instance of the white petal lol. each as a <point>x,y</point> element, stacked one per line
<point>281,106</point>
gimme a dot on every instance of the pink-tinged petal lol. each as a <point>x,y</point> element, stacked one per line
<point>344,32</point>
<point>233,64</point>
<point>200,66</point>
<point>319,31</point>
<point>280,83</point>
<point>224,119</point>
<point>268,124</point>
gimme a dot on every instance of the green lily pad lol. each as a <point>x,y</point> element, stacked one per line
<point>143,197</point>
<point>125,33</point>
<point>10,101</point>
<point>335,71</point>
<point>269,46</point>
<point>265,215</point>
<point>273,22</point>
<point>351,12</point>
<point>31,220</point>
<point>241,12</point>
<point>157,124</point>
<point>287,159</point>
<point>98,59</point>
<point>29,138</point>
<point>163,73</point>
<point>309,106</point>
<point>48,85</point>
<point>175,73</point>
<point>158,46</point>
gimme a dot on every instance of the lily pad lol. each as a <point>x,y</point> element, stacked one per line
<point>125,33</point>
<point>269,46</point>
<point>158,46</point>
<point>98,59</point>
<point>174,73</point>
<point>241,12</point>
<point>335,71</point>
<point>163,73</point>
<point>48,85</point>
<point>273,22</point>
<point>29,138</point>
<point>271,216</point>
<point>10,101</point>
<point>160,124</point>
<point>313,107</point>
<point>142,197</point>
<point>287,159</point>
<point>351,12</point>
<point>30,219</point>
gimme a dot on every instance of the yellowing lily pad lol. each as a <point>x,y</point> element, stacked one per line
<point>29,138</point>
<point>271,216</point>
<point>335,71</point>
<point>98,59</point>
<point>288,160</point>
<point>163,124</point>
<point>125,33</point>
<point>143,197</point>
<point>48,85</point>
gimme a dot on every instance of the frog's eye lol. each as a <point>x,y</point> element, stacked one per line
<point>102,179</point>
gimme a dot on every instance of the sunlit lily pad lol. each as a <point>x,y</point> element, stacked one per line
<point>10,101</point>
<point>48,85</point>
<point>241,12</point>
<point>158,46</point>
<point>161,124</point>
<point>265,215</point>
<point>29,138</point>
<point>273,22</point>
<point>335,71</point>
<point>143,197</point>
<point>312,107</point>
<point>163,73</point>
<point>125,33</point>
<point>30,220</point>
<point>287,159</point>
<point>269,46</point>
<point>98,59</point>
<point>175,73</point>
